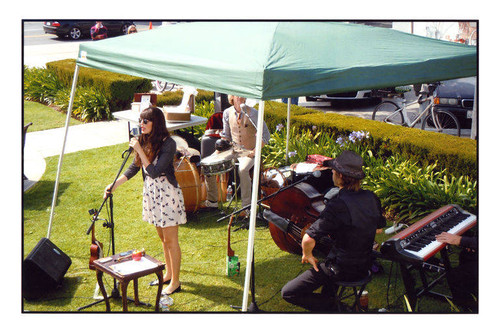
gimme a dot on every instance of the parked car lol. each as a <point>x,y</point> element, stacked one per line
<point>361,95</point>
<point>81,29</point>
<point>457,96</point>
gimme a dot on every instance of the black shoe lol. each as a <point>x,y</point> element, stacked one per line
<point>155,283</point>
<point>164,292</point>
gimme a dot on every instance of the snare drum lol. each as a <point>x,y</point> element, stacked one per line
<point>218,163</point>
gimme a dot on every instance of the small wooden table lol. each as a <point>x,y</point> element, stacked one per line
<point>124,270</point>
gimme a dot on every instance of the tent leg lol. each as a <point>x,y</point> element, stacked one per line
<point>473,126</point>
<point>288,128</point>
<point>253,209</point>
<point>68,117</point>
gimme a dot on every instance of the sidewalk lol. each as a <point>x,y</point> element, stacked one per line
<point>42,144</point>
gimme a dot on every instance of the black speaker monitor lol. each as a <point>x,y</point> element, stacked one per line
<point>44,268</point>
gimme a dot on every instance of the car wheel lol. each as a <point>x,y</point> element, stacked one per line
<point>125,29</point>
<point>75,33</point>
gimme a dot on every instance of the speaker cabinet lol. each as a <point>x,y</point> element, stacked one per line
<point>43,269</point>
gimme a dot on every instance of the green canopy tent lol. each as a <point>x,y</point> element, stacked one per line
<point>269,60</point>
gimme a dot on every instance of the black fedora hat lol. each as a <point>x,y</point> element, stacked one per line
<point>347,163</point>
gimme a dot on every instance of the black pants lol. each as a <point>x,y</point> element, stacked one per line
<point>301,290</point>
<point>463,282</point>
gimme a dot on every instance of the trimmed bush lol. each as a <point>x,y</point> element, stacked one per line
<point>119,89</point>
<point>457,155</point>
<point>175,97</point>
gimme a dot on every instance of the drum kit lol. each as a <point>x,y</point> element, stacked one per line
<point>191,175</point>
<point>191,170</point>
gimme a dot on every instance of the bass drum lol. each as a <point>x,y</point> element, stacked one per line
<point>188,176</point>
<point>193,189</point>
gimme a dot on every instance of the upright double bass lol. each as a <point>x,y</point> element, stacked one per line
<point>300,205</point>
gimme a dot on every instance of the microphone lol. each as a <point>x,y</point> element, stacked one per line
<point>243,108</point>
<point>315,174</point>
<point>135,132</point>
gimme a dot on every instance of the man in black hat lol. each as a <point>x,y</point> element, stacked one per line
<point>351,219</point>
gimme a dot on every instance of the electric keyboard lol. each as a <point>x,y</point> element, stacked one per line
<point>418,242</point>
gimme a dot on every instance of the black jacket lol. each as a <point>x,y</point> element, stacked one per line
<point>351,219</point>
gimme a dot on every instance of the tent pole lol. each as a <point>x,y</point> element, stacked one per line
<point>253,209</point>
<point>473,127</point>
<point>288,128</point>
<point>68,117</point>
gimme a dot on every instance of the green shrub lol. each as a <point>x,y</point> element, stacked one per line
<point>40,85</point>
<point>407,190</point>
<point>175,97</point>
<point>204,109</point>
<point>91,105</point>
<point>457,155</point>
<point>119,89</point>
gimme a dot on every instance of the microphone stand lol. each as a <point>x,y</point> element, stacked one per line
<point>242,107</point>
<point>253,306</point>
<point>115,293</point>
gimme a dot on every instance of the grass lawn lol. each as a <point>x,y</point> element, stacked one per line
<point>205,285</point>
<point>44,117</point>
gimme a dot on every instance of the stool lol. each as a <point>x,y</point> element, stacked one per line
<point>357,289</point>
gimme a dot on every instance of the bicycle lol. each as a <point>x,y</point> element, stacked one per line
<point>430,118</point>
<point>162,86</point>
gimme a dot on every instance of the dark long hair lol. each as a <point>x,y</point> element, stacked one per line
<point>151,143</point>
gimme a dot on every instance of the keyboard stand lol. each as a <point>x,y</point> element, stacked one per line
<point>412,292</point>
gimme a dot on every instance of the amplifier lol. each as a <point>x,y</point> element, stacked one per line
<point>43,269</point>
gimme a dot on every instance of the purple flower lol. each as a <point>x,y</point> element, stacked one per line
<point>279,127</point>
<point>340,141</point>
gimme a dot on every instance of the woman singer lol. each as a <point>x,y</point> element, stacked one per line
<point>163,202</point>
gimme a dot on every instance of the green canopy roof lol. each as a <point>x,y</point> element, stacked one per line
<point>268,60</point>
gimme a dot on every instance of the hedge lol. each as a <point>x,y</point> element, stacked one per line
<point>175,97</point>
<point>118,88</point>
<point>457,155</point>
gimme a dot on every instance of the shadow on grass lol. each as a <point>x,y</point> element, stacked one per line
<point>214,294</point>
<point>59,297</point>
<point>211,219</point>
<point>39,197</point>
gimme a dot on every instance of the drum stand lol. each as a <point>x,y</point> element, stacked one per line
<point>234,197</point>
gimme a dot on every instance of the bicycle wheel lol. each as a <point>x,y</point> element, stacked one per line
<point>164,86</point>
<point>388,112</point>
<point>448,123</point>
<point>169,86</point>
